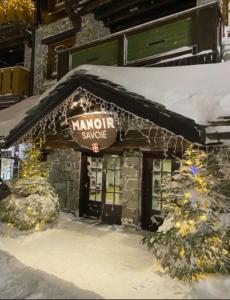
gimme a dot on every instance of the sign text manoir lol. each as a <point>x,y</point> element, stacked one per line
<point>95,130</point>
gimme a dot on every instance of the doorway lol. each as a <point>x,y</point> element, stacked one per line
<point>155,171</point>
<point>101,191</point>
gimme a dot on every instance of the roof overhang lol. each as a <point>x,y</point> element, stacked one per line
<point>111,93</point>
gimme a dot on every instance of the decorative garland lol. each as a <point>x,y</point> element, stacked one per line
<point>125,121</point>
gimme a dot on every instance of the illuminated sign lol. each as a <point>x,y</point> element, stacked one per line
<point>94,131</point>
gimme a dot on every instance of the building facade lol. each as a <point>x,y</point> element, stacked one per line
<point>120,184</point>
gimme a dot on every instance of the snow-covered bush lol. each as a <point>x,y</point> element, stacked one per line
<point>32,203</point>
<point>194,240</point>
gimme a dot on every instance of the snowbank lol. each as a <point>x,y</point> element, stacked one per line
<point>108,261</point>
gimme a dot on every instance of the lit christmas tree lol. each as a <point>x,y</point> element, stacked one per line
<point>11,10</point>
<point>32,166</point>
<point>196,242</point>
<point>33,201</point>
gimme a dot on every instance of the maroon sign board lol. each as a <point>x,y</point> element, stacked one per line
<point>95,130</point>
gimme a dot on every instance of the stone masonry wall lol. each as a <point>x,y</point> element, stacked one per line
<point>64,175</point>
<point>91,30</point>
<point>42,50</point>
<point>27,57</point>
<point>131,197</point>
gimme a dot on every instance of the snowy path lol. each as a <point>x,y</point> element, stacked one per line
<point>80,260</point>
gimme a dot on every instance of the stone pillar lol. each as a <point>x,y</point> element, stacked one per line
<point>27,57</point>
<point>131,197</point>
<point>64,175</point>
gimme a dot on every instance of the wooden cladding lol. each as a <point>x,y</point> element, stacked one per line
<point>15,81</point>
<point>159,40</point>
<point>226,11</point>
<point>186,35</point>
<point>103,54</point>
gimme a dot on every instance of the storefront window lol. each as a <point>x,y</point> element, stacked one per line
<point>162,169</point>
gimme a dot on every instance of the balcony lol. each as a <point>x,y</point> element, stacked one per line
<point>14,85</point>
<point>179,39</point>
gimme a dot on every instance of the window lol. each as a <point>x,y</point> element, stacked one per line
<point>114,181</point>
<point>162,169</point>
<point>95,167</point>
<point>59,2</point>
<point>105,179</point>
<point>55,5</point>
<point>53,49</point>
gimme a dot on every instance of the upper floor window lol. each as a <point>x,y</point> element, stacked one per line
<point>53,49</point>
<point>59,3</point>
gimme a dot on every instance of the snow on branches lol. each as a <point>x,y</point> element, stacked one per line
<point>197,240</point>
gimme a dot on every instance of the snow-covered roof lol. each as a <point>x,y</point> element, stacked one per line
<point>200,93</point>
<point>13,115</point>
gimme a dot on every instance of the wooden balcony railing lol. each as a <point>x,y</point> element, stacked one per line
<point>182,38</point>
<point>14,81</point>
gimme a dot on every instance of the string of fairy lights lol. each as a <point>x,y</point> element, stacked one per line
<point>125,122</point>
<point>17,6</point>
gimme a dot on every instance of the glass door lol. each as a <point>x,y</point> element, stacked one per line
<point>95,193</point>
<point>102,188</point>
<point>112,206</point>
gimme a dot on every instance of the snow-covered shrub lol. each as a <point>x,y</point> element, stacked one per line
<point>194,240</point>
<point>32,203</point>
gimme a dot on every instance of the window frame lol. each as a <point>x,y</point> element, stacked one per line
<point>52,55</point>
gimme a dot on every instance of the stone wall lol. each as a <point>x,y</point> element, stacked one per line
<point>91,30</point>
<point>27,57</point>
<point>42,50</point>
<point>64,175</point>
<point>131,197</point>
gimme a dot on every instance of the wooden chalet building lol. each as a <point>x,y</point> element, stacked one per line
<point>115,100</point>
<point>115,144</point>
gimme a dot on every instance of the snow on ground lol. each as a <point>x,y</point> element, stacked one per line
<point>84,259</point>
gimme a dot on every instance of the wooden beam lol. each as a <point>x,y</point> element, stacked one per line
<point>115,7</point>
<point>59,36</point>
<point>88,6</point>
<point>148,7</point>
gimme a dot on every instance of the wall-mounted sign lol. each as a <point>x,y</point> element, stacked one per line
<point>95,131</point>
<point>68,166</point>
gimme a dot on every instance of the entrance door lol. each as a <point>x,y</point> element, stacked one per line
<point>102,188</point>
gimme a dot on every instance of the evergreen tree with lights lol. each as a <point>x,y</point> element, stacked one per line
<point>32,165</point>
<point>21,10</point>
<point>196,240</point>
<point>33,202</point>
